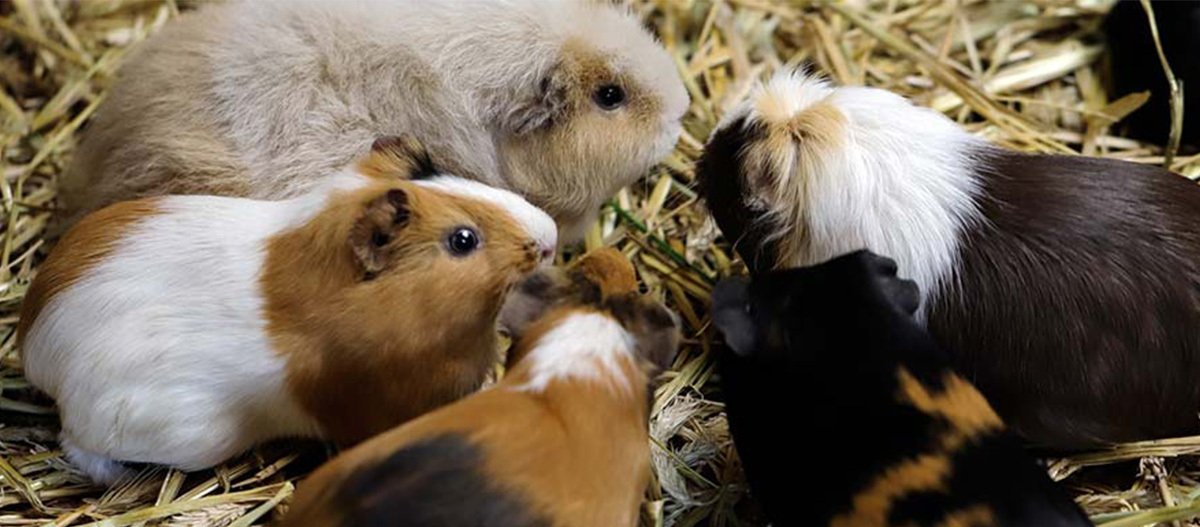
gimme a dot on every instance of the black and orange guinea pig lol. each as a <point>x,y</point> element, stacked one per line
<point>1068,287</point>
<point>892,434</point>
<point>561,441</point>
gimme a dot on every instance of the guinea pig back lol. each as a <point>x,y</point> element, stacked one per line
<point>1066,285</point>
<point>561,440</point>
<point>902,438</point>
<point>182,330</point>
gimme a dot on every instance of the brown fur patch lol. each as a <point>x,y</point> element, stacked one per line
<point>87,244</point>
<point>610,270</point>
<point>367,354</point>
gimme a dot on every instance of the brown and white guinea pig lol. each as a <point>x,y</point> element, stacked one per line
<point>181,330</point>
<point>561,101</point>
<point>902,438</point>
<point>1135,67</point>
<point>1068,286</point>
<point>562,440</point>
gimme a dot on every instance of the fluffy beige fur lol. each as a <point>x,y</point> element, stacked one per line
<point>264,98</point>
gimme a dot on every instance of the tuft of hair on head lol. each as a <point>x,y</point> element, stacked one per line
<point>793,128</point>
<point>398,156</point>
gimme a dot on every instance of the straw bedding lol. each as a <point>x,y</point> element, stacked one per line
<point>1026,74</point>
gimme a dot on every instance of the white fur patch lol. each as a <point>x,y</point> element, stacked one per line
<point>902,182</point>
<point>537,224</point>
<point>159,353</point>
<point>584,346</point>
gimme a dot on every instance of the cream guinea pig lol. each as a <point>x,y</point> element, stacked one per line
<point>563,102</point>
<point>182,330</point>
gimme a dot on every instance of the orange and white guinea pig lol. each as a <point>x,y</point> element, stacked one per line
<point>562,440</point>
<point>181,330</point>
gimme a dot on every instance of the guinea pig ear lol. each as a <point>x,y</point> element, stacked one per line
<point>373,231</point>
<point>656,330</point>
<point>541,107</point>
<point>731,315</point>
<point>530,300</point>
<point>398,156</point>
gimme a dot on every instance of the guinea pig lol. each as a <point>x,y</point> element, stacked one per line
<point>561,101</point>
<point>1067,286</point>
<point>561,440</point>
<point>1135,66</point>
<point>181,330</point>
<point>899,437</point>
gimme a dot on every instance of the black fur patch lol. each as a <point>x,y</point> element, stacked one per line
<point>721,176</point>
<point>433,483</point>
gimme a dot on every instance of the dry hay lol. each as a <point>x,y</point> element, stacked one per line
<point>1023,74</point>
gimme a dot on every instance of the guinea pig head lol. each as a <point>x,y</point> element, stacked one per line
<point>757,167</point>
<point>388,297</point>
<point>600,112</point>
<point>603,282</point>
<point>813,310</point>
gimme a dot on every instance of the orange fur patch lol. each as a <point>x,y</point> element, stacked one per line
<point>365,355</point>
<point>872,506</point>
<point>609,269</point>
<point>959,402</point>
<point>394,158</point>
<point>970,416</point>
<point>87,244</point>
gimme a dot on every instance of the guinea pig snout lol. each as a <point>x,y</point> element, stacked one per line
<point>540,252</point>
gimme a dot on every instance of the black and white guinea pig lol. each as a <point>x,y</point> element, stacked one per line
<point>1068,287</point>
<point>1134,65</point>
<point>561,101</point>
<point>561,441</point>
<point>182,330</point>
<point>897,437</point>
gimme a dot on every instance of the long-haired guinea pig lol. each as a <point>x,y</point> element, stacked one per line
<point>901,439</point>
<point>1067,286</point>
<point>181,330</point>
<point>562,440</point>
<point>561,101</point>
<point>1135,66</point>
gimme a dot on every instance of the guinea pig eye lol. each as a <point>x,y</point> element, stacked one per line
<point>462,241</point>
<point>609,96</point>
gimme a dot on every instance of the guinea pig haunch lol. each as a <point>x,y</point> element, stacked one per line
<point>182,330</point>
<point>562,440</point>
<point>897,437</point>
<point>1067,286</point>
<point>561,101</point>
